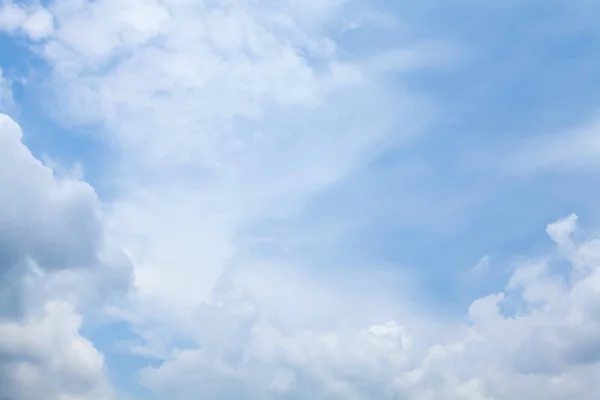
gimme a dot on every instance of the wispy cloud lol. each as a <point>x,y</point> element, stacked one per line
<point>234,126</point>
<point>573,149</point>
<point>482,265</point>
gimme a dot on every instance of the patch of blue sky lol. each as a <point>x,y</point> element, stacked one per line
<point>529,70</point>
<point>48,139</point>
<point>114,341</point>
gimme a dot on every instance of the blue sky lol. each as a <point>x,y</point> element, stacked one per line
<point>291,200</point>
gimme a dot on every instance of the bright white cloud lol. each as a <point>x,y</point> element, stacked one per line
<point>234,112</point>
<point>44,356</point>
<point>30,19</point>
<point>50,224</point>
<point>51,260</point>
<point>54,221</point>
<point>547,348</point>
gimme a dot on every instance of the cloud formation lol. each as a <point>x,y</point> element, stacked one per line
<point>50,235</point>
<point>236,125</point>
<point>535,338</point>
<point>30,19</point>
<point>228,124</point>
<point>44,356</point>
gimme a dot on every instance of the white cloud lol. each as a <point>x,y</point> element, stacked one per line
<point>229,115</point>
<point>482,265</point>
<point>547,348</point>
<point>49,224</point>
<point>31,19</point>
<point>44,356</point>
<point>422,55</point>
<point>226,115</point>
<point>52,261</point>
<point>223,115</point>
<point>56,222</point>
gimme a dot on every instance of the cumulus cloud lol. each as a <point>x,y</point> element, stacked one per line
<point>177,82</point>
<point>45,222</point>
<point>216,129</point>
<point>30,19</point>
<point>51,261</point>
<point>44,356</point>
<point>56,222</point>
<point>546,347</point>
<point>224,118</point>
<point>48,225</point>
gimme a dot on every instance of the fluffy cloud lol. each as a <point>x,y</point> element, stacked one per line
<point>44,356</point>
<point>50,248</point>
<point>215,87</point>
<point>53,221</point>
<point>537,338</point>
<point>30,19</point>
<point>50,225</point>
<point>238,112</point>
<point>225,120</point>
<point>45,222</point>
